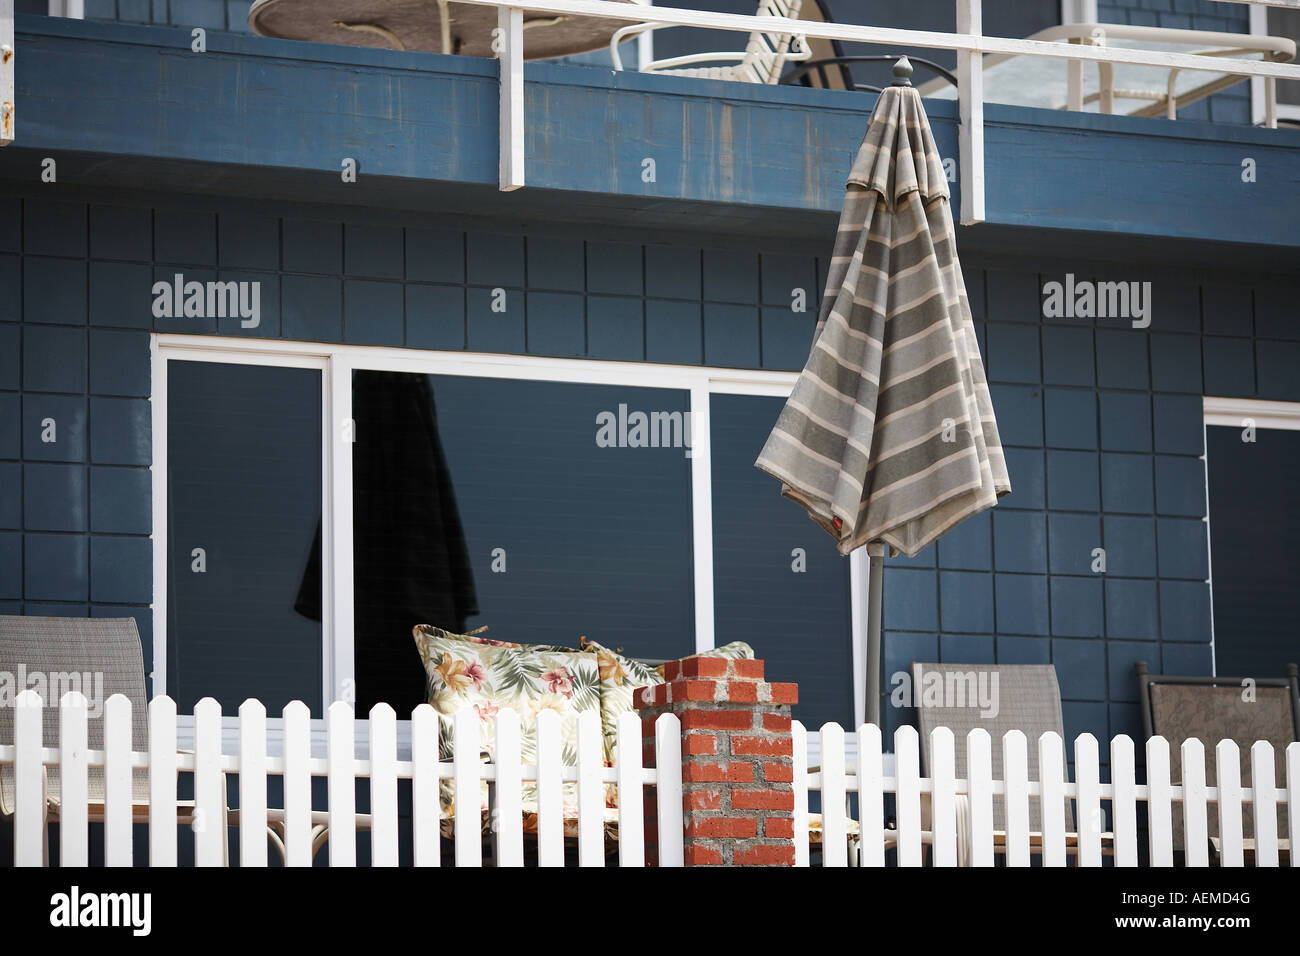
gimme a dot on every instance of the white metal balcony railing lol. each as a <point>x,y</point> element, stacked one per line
<point>969,43</point>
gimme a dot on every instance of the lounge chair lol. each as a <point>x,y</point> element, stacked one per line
<point>1029,700</point>
<point>762,60</point>
<point>1211,709</point>
<point>88,648</point>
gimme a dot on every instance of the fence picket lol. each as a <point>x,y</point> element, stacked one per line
<point>631,793</point>
<point>1123,805</point>
<point>252,784</point>
<point>1227,766</point>
<point>297,784</point>
<point>1196,844</point>
<point>799,789</point>
<point>1015,768</point>
<point>1051,804</point>
<point>668,789</point>
<point>425,803</point>
<point>908,795</point>
<point>550,792</point>
<point>30,846</point>
<point>1293,801</point>
<point>1159,810</point>
<point>467,764</point>
<point>591,792</point>
<point>834,829</point>
<point>73,788</point>
<point>979,772</point>
<point>117,781</point>
<point>871,798</point>
<point>1264,780</point>
<point>383,786</point>
<point>1087,807</point>
<point>211,835</point>
<point>943,810</point>
<point>162,782</point>
<point>341,785</point>
<point>507,813</point>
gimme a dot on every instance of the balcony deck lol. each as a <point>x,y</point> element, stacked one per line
<point>129,106</point>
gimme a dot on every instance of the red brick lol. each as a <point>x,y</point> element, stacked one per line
<point>779,827</point>
<point>697,744</point>
<point>777,773</point>
<point>785,693</point>
<point>735,828</point>
<point>752,670</point>
<point>702,800</point>
<point>695,719</point>
<point>742,692</point>
<point>765,856</point>
<point>672,669</point>
<point>719,773</point>
<point>683,690</point>
<point>776,722</point>
<point>702,856</point>
<point>762,799</point>
<point>704,667</point>
<point>778,746</point>
<point>650,696</point>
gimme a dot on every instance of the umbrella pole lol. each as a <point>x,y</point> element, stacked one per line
<point>875,595</point>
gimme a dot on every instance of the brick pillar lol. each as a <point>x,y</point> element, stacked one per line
<point>737,760</point>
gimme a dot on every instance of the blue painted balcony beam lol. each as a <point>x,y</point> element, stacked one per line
<point>252,115</point>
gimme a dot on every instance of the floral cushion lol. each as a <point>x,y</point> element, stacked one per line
<point>464,671</point>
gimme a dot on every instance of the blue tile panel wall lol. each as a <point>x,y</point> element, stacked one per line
<point>1102,423</point>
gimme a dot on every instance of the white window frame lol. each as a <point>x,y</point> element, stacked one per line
<point>1258,104</point>
<point>336,363</point>
<point>1232,413</point>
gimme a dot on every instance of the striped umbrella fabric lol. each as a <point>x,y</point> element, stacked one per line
<point>889,433</point>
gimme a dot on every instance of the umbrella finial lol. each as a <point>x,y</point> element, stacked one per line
<point>903,72</point>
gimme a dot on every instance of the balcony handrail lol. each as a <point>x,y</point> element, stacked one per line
<point>968,41</point>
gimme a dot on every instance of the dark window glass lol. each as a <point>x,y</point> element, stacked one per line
<point>1254,549</point>
<point>1286,23</point>
<point>797,621</point>
<point>492,502</point>
<point>244,485</point>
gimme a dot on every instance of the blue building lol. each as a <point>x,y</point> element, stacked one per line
<point>236,467</point>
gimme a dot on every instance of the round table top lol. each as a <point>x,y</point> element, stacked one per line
<point>417,25</point>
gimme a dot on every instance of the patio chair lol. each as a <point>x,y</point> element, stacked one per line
<point>1211,709</point>
<point>83,646</point>
<point>762,60</point>
<point>1028,700</point>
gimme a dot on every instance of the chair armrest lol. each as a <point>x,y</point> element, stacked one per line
<point>628,32</point>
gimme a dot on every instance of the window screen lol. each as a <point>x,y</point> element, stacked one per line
<point>779,582</point>
<point>244,502</point>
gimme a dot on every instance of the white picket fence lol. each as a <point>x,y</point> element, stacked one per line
<point>954,816</point>
<point>951,817</point>
<point>301,826</point>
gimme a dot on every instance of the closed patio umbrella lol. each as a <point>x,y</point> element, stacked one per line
<point>888,437</point>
